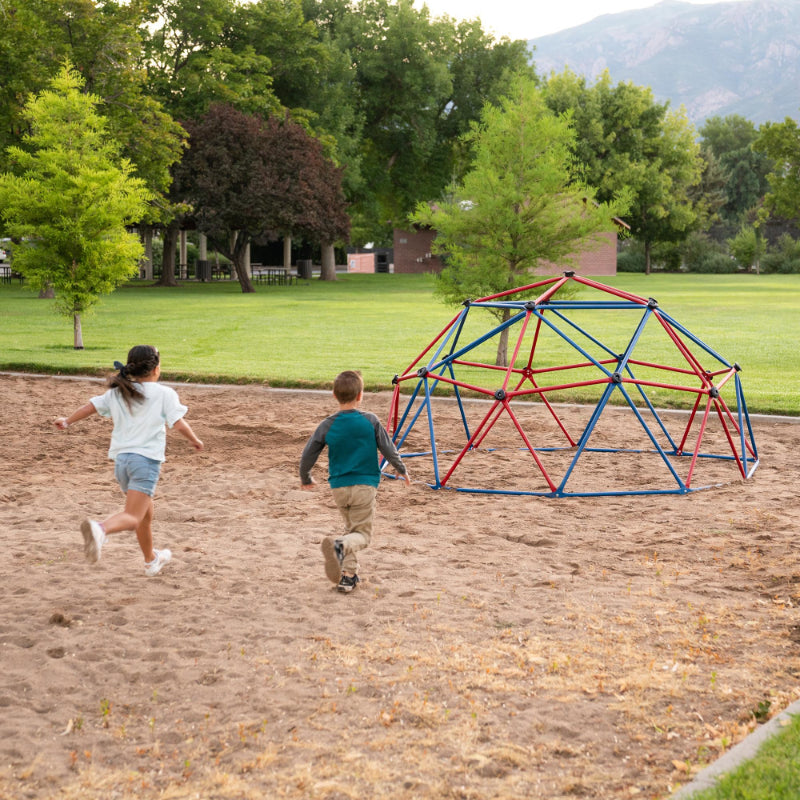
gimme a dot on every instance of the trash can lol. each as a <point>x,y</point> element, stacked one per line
<point>202,270</point>
<point>304,268</point>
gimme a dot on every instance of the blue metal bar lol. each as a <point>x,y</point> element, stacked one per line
<point>653,439</point>
<point>450,333</point>
<point>566,338</point>
<point>409,406</point>
<point>693,338</point>
<point>501,327</point>
<point>433,436</point>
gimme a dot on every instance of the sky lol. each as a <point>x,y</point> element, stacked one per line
<point>519,19</point>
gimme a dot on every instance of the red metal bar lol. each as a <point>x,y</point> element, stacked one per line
<point>736,455</point>
<point>518,290</point>
<point>611,290</point>
<point>430,346</point>
<point>736,427</point>
<point>688,427</point>
<point>697,446</point>
<point>535,341</point>
<point>698,367</point>
<point>529,446</point>
<point>468,445</point>
<point>394,409</point>
<point>513,360</point>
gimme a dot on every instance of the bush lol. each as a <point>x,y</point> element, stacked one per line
<point>717,264</point>
<point>697,249</point>
<point>784,258</point>
<point>630,261</point>
<point>777,263</point>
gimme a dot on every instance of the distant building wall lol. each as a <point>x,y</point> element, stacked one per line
<point>361,262</point>
<point>412,253</point>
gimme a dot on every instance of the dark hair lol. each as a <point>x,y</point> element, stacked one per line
<point>347,385</point>
<point>142,360</point>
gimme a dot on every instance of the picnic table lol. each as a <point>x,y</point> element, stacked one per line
<point>270,275</point>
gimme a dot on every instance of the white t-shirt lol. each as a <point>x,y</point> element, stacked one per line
<point>142,427</point>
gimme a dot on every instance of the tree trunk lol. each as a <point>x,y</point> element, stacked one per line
<point>146,266</point>
<point>647,258</point>
<point>328,271</point>
<point>245,281</point>
<point>287,253</point>
<point>48,293</point>
<point>77,332</point>
<point>502,342</point>
<point>168,257</point>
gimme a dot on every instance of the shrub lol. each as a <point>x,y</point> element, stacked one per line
<point>630,261</point>
<point>697,249</point>
<point>717,263</point>
<point>784,258</point>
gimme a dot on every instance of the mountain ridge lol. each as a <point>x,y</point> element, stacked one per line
<point>715,59</point>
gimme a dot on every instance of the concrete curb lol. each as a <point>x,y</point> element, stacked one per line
<point>736,756</point>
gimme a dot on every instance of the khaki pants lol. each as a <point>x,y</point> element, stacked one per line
<point>357,506</point>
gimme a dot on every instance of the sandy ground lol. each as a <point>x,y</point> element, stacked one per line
<point>499,646</point>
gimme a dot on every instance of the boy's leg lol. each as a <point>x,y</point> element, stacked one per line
<point>357,506</point>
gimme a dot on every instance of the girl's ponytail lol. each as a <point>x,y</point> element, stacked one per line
<point>142,360</point>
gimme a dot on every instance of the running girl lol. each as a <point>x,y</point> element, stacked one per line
<point>141,409</point>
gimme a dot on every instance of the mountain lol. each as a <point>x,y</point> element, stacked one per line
<point>717,59</point>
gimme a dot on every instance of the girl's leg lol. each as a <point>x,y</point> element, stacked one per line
<point>137,516</point>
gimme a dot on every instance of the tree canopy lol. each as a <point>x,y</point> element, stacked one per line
<point>730,140</point>
<point>253,179</point>
<point>69,199</point>
<point>523,203</point>
<point>628,141</point>
<point>780,141</point>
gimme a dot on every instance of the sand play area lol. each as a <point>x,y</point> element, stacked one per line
<point>498,646</point>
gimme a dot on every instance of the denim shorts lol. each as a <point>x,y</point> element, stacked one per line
<point>137,472</point>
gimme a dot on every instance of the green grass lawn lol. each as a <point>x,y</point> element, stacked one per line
<point>774,774</point>
<point>302,335</point>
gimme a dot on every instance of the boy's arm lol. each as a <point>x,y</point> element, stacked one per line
<point>184,429</point>
<point>84,411</point>
<point>311,453</point>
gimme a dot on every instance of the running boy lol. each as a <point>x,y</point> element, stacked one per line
<point>353,438</point>
<point>141,409</point>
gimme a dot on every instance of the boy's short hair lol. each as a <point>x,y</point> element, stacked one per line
<point>347,386</point>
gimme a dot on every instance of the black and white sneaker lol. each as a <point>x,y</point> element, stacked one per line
<point>333,550</point>
<point>347,583</point>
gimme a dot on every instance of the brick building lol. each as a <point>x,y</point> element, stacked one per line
<point>412,253</point>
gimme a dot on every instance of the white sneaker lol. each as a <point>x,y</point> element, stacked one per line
<point>93,539</point>
<point>154,567</point>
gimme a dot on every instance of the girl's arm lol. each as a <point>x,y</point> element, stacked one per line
<point>184,429</point>
<point>84,411</point>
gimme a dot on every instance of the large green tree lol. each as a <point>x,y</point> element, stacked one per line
<point>69,199</point>
<point>102,41</point>
<point>249,179</point>
<point>418,83</point>
<point>780,141</point>
<point>521,205</point>
<point>730,139</point>
<point>627,140</point>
